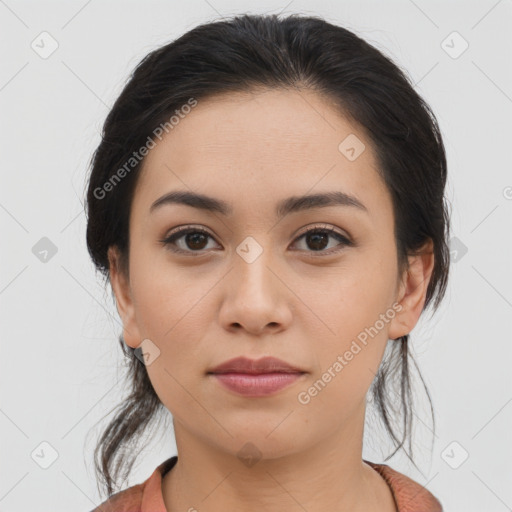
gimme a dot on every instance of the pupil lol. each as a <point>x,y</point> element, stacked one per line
<point>316,237</point>
<point>193,237</point>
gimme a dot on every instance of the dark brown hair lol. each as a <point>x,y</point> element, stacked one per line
<point>267,51</point>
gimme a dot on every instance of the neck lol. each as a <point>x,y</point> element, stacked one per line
<point>329,475</point>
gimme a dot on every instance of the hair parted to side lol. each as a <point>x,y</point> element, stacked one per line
<point>249,52</point>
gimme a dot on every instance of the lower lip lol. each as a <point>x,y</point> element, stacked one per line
<point>256,385</point>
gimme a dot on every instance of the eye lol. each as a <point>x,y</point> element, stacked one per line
<point>318,237</point>
<point>195,238</point>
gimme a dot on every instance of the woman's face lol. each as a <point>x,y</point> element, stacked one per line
<point>254,286</point>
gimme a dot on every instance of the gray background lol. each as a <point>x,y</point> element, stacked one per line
<point>60,359</point>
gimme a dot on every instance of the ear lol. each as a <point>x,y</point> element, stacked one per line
<point>412,292</point>
<point>124,302</point>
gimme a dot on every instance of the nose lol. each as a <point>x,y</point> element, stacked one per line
<point>255,297</point>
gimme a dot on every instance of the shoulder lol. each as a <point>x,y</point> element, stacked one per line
<point>410,496</point>
<point>143,497</point>
<point>128,500</point>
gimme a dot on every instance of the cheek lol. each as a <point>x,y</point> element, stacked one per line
<point>179,367</point>
<point>345,371</point>
<point>358,311</point>
<point>355,302</point>
<point>170,314</point>
<point>164,296</point>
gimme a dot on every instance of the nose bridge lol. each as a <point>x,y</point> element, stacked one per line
<point>252,275</point>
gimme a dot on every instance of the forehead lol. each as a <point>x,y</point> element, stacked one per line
<point>260,146</point>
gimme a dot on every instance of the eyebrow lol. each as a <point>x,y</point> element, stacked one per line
<point>284,207</point>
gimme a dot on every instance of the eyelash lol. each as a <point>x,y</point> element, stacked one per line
<point>171,239</point>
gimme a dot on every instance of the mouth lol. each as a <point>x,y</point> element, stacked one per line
<point>257,385</point>
<point>256,378</point>
<point>255,366</point>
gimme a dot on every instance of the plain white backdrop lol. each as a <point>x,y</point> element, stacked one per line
<point>61,363</point>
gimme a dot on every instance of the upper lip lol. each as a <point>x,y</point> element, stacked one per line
<point>255,366</point>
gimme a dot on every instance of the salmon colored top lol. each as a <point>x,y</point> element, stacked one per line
<point>409,495</point>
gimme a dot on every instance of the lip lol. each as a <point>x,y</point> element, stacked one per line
<point>255,366</point>
<point>256,378</point>
<point>260,385</point>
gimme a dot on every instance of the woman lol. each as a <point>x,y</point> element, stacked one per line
<point>267,202</point>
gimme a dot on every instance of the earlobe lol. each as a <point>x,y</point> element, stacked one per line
<point>124,303</point>
<point>413,291</point>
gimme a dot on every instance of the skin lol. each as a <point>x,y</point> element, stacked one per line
<point>253,150</point>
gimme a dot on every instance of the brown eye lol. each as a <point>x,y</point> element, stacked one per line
<point>194,240</point>
<point>317,239</point>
